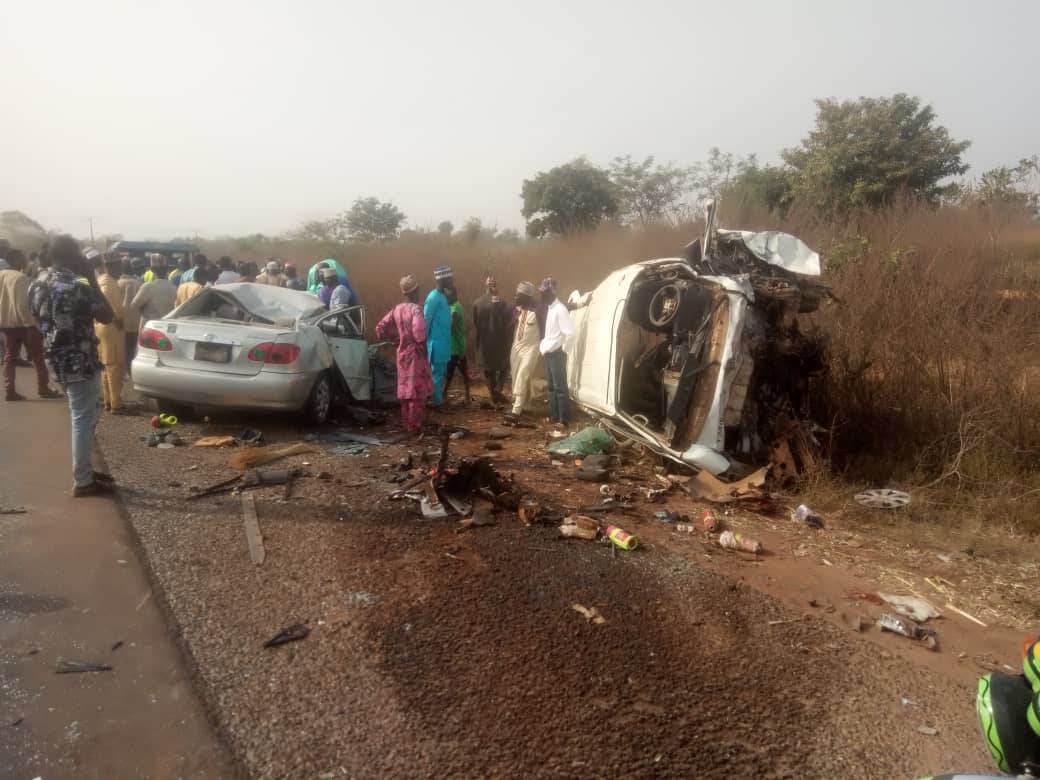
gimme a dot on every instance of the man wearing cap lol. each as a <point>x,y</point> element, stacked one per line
<point>156,298</point>
<point>558,328</point>
<point>333,294</point>
<point>523,357</point>
<point>406,325</point>
<point>492,320</point>
<point>438,330</point>
<point>111,341</point>
<point>66,304</point>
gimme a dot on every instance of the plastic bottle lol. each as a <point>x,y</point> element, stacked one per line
<point>734,541</point>
<point>665,516</point>
<point>687,528</point>
<point>621,538</point>
<point>710,522</point>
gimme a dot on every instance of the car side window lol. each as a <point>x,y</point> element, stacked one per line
<point>346,324</point>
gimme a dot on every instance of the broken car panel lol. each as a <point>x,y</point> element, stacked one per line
<point>702,359</point>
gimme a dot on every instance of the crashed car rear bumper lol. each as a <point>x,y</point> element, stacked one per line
<point>264,390</point>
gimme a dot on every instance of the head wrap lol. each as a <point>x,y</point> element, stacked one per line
<point>526,288</point>
<point>442,272</point>
<point>408,284</point>
<point>548,285</point>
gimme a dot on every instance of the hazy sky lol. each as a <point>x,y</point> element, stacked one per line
<point>228,116</point>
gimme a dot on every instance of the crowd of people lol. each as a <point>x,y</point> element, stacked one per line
<point>76,313</point>
<point>510,339</point>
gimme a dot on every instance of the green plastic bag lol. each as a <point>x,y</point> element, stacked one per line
<point>587,441</point>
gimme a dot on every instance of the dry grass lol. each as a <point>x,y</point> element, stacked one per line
<point>934,380</point>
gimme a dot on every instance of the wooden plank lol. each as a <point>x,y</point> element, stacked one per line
<point>253,536</point>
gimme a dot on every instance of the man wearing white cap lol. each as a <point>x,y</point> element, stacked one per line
<point>272,275</point>
<point>523,357</point>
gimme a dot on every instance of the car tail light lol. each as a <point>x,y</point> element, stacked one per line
<point>151,338</point>
<point>275,354</point>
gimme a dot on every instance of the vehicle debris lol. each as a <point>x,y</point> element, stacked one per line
<point>81,667</point>
<point>480,518</point>
<point>499,433</point>
<point>709,488</point>
<point>621,538</point>
<point>348,450</point>
<point>731,540</point>
<point>897,624</point>
<point>13,510</point>
<point>591,614</point>
<point>251,437</point>
<point>913,607</point>
<point>293,633</point>
<point>883,498</point>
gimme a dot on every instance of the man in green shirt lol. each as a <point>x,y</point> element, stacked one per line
<point>458,343</point>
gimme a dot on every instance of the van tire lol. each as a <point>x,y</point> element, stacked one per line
<point>319,403</point>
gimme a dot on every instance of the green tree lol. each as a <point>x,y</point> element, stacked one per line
<point>649,193</point>
<point>862,153</point>
<point>768,186</point>
<point>324,230</point>
<point>711,177</point>
<point>446,228</point>
<point>473,229</point>
<point>370,219</point>
<point>1009,187</point>
<point>571,197</point>
<point>508,236</point>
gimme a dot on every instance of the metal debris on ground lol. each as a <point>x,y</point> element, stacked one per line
<point>897,624</point>
<point>344,450</point>
<point>13,510</point>
<point>732,540</point>
<point>80,667</point>
<point>883,498</point>
<point>293,633</point>
<point>480,518</point>
<point>709,488</point>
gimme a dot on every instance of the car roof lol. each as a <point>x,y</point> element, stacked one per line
<point>172,247</point>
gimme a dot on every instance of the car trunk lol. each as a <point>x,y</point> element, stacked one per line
<point>207,345</point>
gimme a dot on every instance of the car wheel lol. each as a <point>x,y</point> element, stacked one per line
<point>320,402</point>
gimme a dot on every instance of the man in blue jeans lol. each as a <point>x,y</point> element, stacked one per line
<point>66,304</point>
<point>558,328</point>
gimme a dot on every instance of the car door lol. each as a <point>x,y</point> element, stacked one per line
<point>344,330</point>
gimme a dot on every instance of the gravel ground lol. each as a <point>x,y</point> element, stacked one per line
<point>436,653</point>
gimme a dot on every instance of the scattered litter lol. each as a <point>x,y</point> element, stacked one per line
<point>459,433</point>
<point>216,441</point>
<point>257,456</point>
<point>579,527</point>
<point>732,540</point>
<point>705,486</point>
<point>928,731</point>
<point>293,633</point>
<point>804,514</point>
<point>686,528</point>
<point>345,437</point>
<point>873,598</point>
<point>344,450</point>
<point>913,607</point>
<point>224,486</point>
<point>13,510</point>
<point>944,557</point>
<point>587,441</point>
<point>666,516</point>
<point>589,613</point>
<point>117,645</point>
<point>17,722</point>
<point>492,445</point>
<point>479,519</point>
<point>709,522</point>
<point>79,667</point>
<point>855,621</point>
<point>883,498</point>
<point>903,626</point>
<point>621,538</point>
<point>499,433</point>
<point>362,598</point>
<point>253,536</point>
<point>908,702</point>
<point>163,421</point>
<point>431,511</point>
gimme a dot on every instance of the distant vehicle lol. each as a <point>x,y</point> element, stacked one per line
<point>253,346</point>
<point>170,249</point>
<point>701,358</point>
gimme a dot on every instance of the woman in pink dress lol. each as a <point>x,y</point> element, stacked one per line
<point>406,325</point>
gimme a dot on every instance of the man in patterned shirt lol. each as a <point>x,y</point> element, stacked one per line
<point>66,303</point>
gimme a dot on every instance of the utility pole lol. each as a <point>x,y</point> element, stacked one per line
<point>91,219</point>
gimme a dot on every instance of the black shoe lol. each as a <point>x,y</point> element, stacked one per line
<point>48,393</point>
<point>13,396</point>
<point>95,488</point>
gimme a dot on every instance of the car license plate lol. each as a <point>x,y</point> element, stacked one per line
<point>213,353</point>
